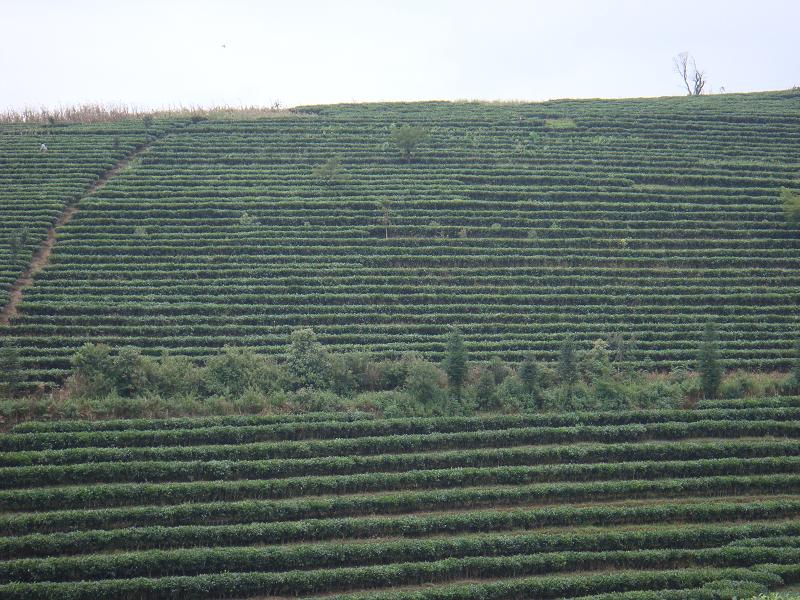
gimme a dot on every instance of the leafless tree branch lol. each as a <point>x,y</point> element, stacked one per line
<point>693,78</point>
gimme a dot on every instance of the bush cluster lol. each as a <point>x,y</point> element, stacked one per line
<point>124,382</point>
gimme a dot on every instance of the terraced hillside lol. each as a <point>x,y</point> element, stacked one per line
<point>36,186</point>
<point>689,503</point>
<point>517,222</point>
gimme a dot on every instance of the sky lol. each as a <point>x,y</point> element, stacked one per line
<point>170,53</point>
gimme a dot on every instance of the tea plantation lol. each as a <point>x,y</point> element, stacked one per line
<point>37,183</point>
<point>681,504</point>
<point>519,223</point>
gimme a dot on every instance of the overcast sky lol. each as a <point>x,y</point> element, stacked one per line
<point>247,52</point>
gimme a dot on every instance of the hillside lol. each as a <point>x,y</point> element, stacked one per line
<point>35,186</point>
<point>688,505</point>
<point>519,223</point>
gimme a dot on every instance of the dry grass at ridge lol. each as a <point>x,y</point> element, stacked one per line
<point>102,113</point>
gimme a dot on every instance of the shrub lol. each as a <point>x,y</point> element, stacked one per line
<point>425,386</point>
<point>342,379</point>
<point>596,363</point>
<point>330,172</point>
<point>385,374</point>
<point>530,376</point>
<point>315,400</point>
<point>455,362</point>
<point>131,372</point>
<point>237,369</point>
<point>389,403</point>
<point>92,371</point>
<point>308,363</point>
<point>483,393</point>
<point>568,363</point>
<point>734,589</point>
<point>609,394</point>
<point>563,397</point>
<point>708,362</point>
<point>407,138</point>
<point>176,376</point>
<point>791,206</point>
<point>657,394</point>
<point>498,368</point>
<point>512,397</point>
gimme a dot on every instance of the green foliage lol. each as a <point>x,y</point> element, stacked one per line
<point>512,396</point>
<point>656,394</point>
<point>498,368</point>
<point>17,242</point>
<point>308,363</point>
<point>729,589</point>
<point>424,385</point>
<point>613,248</point>
<point>609,394</point>
<point>596,363</point>
<point>242,381</point>
<point>407,138</point>
<point>93,370</point>
<point>568,363</point>
<point>674,504</point>
<point>561,123</point>
<point>236,371</point>
<point>176,376</point>
<point>708,362</point>
<point>330,172</point>
<point>13,249</point>
<point>386,374</point>
<point>795,380</point>
<point>791,205</point>
<point>130,371</point>
<point>455,361</point>
<point>621,347</point>
<point>343,377</point>
<point>529,374</point>
<point>484,391</point>
<point>10,369</point>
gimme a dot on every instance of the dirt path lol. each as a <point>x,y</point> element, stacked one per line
<point>41,257</point>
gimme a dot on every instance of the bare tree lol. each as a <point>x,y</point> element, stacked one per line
<point>693,78</point>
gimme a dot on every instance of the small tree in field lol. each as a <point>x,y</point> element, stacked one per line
<point>708,361</point>
<point>791,206</point>
<point>423,385</point>
<point>330,172</point>
<point>308,363</point>
<point>455,362</point>
<point>486,391</point>
<point>407,138</point>
<point>529,374</point>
